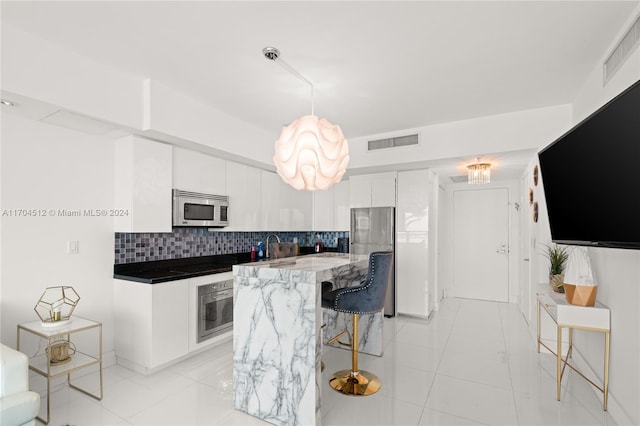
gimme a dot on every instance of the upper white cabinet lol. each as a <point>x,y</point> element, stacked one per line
<point>341,205</point>
<point>270,201</point>
<point>244,191</point>
<point>415,234</point>
<point>197,172</point>
<point>296,208</point>
<point>283,207</point>
<point>143,185</point>
<point>323,211</point>
<point>331,208</point>
<point>373,190</point>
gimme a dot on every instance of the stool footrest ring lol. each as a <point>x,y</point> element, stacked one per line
<point>335,339</point>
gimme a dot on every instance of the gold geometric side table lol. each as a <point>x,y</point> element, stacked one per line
<point>45,363</point>
<point>573,317</point>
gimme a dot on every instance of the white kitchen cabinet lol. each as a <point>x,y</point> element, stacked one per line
<point>296,208</point>
<point>383,190</point>
<point>331,208</point>
<point>341,206</point>
<point>244,191</point>
<point>415,270</point>
<point>271,185</point>
<point>151,323</point>
<point>143,181</point>
<point>323,210</point>
<point>360,191</point>
<point>373,190</point>
<point>198,172</point>
<point>283,207</point>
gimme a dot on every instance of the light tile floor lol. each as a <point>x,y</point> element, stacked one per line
<point>473,362</point>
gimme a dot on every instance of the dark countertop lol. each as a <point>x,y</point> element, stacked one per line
<point>159,271</point>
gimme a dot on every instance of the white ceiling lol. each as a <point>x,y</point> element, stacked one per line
<point>376,66</point>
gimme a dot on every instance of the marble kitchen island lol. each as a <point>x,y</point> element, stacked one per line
<point>277,345</point>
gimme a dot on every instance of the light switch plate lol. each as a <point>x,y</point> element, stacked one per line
<point>73,247</point>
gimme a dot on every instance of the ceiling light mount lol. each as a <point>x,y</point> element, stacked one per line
<point>271,53</point>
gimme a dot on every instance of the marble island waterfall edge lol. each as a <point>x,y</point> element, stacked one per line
<point>276,333</point>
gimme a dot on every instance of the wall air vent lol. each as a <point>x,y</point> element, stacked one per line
<point>622,51</point>
<point>394,142</point>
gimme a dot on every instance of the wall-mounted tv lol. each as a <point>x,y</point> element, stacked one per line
<point>591,177</point>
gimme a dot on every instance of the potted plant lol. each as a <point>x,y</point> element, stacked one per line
<point>557,256</point>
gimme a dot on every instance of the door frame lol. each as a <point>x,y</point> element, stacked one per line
<point>514,191</point>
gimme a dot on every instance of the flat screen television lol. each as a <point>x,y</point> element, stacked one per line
<point>591,177</point>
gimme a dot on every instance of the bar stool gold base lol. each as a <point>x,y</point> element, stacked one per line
<point>361,383</point>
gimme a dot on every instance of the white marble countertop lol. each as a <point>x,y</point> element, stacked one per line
<point>308,263</point>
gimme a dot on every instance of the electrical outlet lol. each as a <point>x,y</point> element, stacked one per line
<point>73,247</point>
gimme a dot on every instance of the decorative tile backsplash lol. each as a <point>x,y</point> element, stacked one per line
<point>191,242</point>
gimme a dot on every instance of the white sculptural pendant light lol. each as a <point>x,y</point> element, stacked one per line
<point>311,153</point>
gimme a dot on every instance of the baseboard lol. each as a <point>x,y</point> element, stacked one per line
<point>108,359</point>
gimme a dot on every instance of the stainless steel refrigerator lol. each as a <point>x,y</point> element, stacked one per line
<point>374,229</point>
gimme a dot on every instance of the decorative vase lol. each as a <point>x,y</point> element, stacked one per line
<point>581,295</point>
<point>556,282</point>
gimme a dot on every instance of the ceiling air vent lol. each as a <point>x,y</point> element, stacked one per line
<point>393,142</point>
<point>622,51</point>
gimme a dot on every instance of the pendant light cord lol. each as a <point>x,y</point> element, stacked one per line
<point>273,54</point>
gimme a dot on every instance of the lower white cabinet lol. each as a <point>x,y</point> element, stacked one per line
<point>151,323</point>
<point>156,324</point>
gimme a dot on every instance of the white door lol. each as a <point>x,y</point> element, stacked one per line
<point>481,237</point>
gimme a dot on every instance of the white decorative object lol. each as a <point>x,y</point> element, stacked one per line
<point>311,153</point>
<point>579,285</point>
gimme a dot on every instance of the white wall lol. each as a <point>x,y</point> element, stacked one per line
<point>616,271</point>
<point>43,72</point>
<point>497,133</point>
<point>48,167</point>
<point>36,68</point>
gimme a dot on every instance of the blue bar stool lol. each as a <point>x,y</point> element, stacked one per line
<point>365,298</point>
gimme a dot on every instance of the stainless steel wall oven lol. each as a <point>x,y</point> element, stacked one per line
<point>215,309</point>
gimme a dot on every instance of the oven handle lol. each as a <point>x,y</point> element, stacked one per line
<point>217,295</point>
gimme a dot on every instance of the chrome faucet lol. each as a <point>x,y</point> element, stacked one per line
<point>269,245</point>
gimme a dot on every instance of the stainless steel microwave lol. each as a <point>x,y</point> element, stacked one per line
<point>196,209</point>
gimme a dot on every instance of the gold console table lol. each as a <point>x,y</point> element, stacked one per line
<point>590,318</point>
